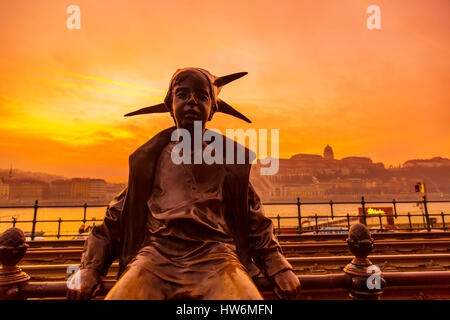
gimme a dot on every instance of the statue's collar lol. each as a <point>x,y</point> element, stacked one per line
<point>150,151</point>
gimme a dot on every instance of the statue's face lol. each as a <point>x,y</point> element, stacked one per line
<point>191,100</point>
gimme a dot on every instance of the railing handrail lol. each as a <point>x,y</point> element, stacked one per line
<point>300,228</point>
<point>58,289</point>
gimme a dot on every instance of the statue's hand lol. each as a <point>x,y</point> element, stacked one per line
<point>286,284</point>
<point>84,285</point>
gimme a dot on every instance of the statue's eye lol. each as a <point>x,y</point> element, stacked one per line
<point>181,95</point>
<point>203,98</point>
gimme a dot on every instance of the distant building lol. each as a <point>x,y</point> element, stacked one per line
<point>27,189</point>
<point>307,157</point>
<point>300,190</point>
<point>79,188</point>
<point>60,189</point>
<point>112,189</point>
<point>435,162</point>
<point>328,153</point>
<point>357,161</point>
<point>4,190</point>
<point>85,188</point>
<point>97,188</point>
<point>312,164</point>
<point>312,175</point>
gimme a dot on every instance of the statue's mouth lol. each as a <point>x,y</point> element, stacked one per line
<point>191,115</point>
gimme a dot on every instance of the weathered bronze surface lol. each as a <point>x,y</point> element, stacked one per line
<point>191,231</point>
<point>360,243</point>
<point>12,250</point>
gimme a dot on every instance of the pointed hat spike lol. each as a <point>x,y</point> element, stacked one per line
<point>159,108</point>
<point>221,81</point>
<point>226,108</point>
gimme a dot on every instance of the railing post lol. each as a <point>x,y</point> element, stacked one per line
<point>33,228</point>
<point>361,270</point>
<point>331,209</point>
<point>395,208</point>
<point>426,212</point>
<point>84,216</point>
<point>11,253</point>
<point>317,227</point>
<point>409,219</point>
<point>363,205</point>
<point>14,221</point>
<point>59,228</point>
<point>381,222</point>
<point>299,215</point>
<point>443,220</point>
<point>279,227</point>
<point>348,222</point>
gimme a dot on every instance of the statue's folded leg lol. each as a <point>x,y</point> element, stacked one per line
<point>231,283</point>
<point>137,283</point>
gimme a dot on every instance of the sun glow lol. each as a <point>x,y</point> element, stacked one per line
<point>316,73</point>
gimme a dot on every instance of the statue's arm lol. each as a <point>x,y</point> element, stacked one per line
<point>102,245</point>
<point>266,251</point>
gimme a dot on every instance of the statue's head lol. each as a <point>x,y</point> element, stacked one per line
<point>193,94</point>
<point>190,98</point>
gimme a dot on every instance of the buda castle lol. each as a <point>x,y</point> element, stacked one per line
<point>314,175</point>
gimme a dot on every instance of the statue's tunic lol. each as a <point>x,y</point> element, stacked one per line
<point>190,252</point>
<point>192,238</point>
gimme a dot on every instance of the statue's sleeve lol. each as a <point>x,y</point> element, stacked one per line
<point>101,247</point>
<point>266,251</point>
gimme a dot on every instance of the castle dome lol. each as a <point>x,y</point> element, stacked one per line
<point>328,153</point>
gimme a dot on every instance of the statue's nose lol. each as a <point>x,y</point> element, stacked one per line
<point>192,99</point>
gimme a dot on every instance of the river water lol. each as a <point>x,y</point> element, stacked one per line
<point>307,213</point>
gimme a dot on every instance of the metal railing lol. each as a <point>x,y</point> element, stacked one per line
<point>352,282</point>
<point>343,221</point>
<point>346,219</point>
<point>34,221</point>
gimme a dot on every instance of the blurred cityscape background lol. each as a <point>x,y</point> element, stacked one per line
<point>322,177</point>
<point>308,176</point>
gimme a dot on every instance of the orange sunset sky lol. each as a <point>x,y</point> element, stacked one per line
<point>316,72</point>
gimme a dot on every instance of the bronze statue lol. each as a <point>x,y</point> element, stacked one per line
<point>186,231</point>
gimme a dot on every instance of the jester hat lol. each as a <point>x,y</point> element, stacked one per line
<point>215,85</point>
